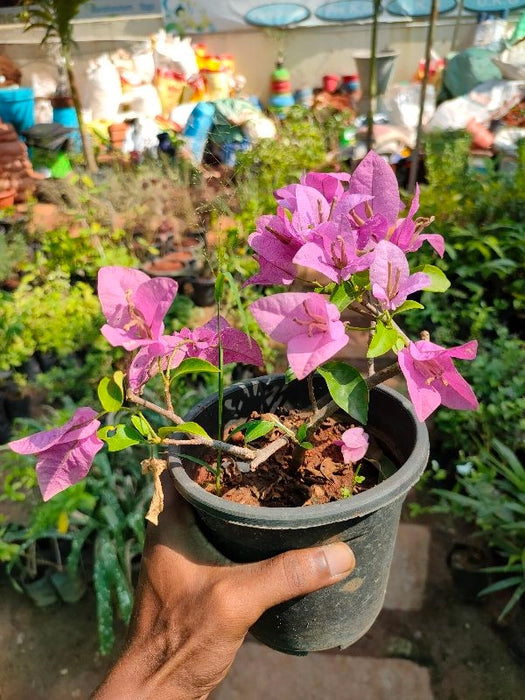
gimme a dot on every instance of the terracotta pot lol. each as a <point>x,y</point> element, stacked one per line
<point>177,264</point>
<point>7,198</point>
<point>117,134</point>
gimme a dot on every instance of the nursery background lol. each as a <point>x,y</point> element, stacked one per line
<point>160,155</point>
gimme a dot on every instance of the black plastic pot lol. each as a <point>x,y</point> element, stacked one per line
<point>339,615</point>
<point>467,564</point>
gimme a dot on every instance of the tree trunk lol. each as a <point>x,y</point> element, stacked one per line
<point>86,144</point>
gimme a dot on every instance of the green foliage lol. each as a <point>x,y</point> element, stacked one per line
<point>83,253</point>
<point>482,218</point>
<point>298,147</point>
<point>76,375</point>
<point>490,493</point>
<point>53,316</point>
<point>97,523</point>
<point>13,251</point>
<point>54,17</point>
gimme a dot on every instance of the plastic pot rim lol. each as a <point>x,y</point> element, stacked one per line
<point>359,505</point>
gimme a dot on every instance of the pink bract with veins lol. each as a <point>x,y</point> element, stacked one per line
<point>432,378</point>
<point>64,454</point>
<point>407,236</point>
<point>308,324</point>
<point>334,253</point>
<point>353,444</point>
<point>134,305</point>
<point>390,276</point>
<point>202,342</point>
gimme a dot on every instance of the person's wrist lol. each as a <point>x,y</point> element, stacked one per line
<point>148,671</point>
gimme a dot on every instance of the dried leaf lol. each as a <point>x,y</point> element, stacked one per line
<point>156,467</point>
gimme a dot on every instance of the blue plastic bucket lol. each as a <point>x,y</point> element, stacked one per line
<point>198,127</point>
<point>17,107</point>
<point>280,101</point>
<point>67,116</point>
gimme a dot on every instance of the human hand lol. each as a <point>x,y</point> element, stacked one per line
<point>193,607</point>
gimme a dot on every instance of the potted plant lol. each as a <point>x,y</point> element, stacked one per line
<point>322,436</point>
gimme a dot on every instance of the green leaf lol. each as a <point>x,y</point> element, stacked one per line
<point>192,428</point>
<point>384,340</point>
<point>343,295</point>
<point>408,305</point>
<point>256,429</point>
<point>289,376</point>
<point>143,426</point>
<point>193,365</point>
<point>438,280</point>
<point>167,430</point>
<point>501,585</point>
<point>111,392</point>
<point>347,388</point>
<point>306,445</point>
<point>124,436</point>
<point>301,433</point>
<point>219,287</point>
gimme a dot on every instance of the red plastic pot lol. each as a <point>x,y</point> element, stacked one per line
<point>281,86</point>
<point>330,82</point>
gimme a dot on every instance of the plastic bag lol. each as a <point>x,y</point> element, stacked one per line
<point>175,54</point>
<point>455,114</point>
<point>488,101</point>
<point>402,104</point>
<point>469,68</point>
<point>104,89</point>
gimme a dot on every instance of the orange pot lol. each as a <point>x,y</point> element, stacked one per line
<point>7,198</point>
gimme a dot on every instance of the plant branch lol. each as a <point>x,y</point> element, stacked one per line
<point>170,415</point>
<point>266,452</point>
<point>235,450</point>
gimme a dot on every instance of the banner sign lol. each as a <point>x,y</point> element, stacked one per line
<point>493,5</point>
<point>203,16</point>
<point>117,8</point>
<point>418,8</point>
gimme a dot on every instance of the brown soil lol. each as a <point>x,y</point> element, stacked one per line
<point>321,478</point>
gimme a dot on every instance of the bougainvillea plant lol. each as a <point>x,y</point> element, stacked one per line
<point>348,234</point>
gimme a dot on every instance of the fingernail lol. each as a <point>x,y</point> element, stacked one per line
<point>340,558</point>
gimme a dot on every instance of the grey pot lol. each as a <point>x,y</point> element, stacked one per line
<point>339,615</point>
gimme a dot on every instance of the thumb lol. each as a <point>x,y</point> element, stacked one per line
<point>291,574</point>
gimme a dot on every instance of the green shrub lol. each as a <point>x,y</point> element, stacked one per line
<point>54,316</point>
<point>298,147</point>
<point>490,494</point>
<point>96,529</point>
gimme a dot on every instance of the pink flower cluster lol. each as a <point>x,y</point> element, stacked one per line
<point>337,231</point>
<point>336,225</point>
<point>134,306</point>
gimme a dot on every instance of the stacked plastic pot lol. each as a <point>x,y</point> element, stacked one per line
<point>281,97</point>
